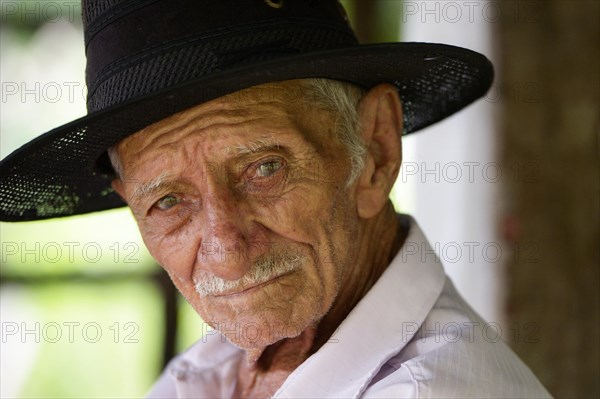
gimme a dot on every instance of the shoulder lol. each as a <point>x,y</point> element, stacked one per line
<point>456,354</point>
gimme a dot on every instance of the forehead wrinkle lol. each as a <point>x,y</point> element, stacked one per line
<point>235,104</point>
<point>215,121</point>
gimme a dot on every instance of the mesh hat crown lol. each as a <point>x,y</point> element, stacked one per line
<point>149,59</point>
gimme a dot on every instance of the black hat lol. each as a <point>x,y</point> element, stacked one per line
<point>149,59</point>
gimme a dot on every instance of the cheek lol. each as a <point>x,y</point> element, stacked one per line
<point>176,252</point>
<point>329,230</point>
<point>298,215</point>
<point>337,249</point>
<point>322,217</point>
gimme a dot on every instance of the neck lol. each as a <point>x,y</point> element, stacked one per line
<point>380,240</point>
<point>263,377</point>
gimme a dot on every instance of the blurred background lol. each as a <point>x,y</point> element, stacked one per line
<point>507,191</point>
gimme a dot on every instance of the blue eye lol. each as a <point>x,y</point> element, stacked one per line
<point>269,168</point>
<point>167,202</point>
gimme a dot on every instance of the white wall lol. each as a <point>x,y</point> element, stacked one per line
<point>459,211</point>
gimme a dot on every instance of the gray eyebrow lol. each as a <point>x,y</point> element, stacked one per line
<point>144,189</point>
<point>253,147</point>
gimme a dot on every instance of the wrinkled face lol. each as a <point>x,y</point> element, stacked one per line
<point>243,201</point>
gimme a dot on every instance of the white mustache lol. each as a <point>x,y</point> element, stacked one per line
<point>263,269</point>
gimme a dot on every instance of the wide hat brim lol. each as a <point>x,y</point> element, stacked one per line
<point>64,172</point>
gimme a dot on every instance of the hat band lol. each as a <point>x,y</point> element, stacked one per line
<point>195,57</point>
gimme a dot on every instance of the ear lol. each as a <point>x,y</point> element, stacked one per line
<point>117,185</point>
<point>380,114</point>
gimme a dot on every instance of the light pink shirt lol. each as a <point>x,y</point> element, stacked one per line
<point>411,336</point>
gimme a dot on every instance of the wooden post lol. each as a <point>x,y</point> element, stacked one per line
<point>549,87</point>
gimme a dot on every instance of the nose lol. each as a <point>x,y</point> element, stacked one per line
<point>224,238</point>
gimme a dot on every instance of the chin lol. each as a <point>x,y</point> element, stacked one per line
<point>258,333</point>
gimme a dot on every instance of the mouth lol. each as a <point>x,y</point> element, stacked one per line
<point>250,289</point>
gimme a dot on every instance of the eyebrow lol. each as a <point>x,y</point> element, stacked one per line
<point>254,147</point>
<point>159,183</point>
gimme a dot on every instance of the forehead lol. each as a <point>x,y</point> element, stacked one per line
<point>263,113</point>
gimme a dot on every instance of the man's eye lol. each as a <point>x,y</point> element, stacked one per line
<point>167,202</point>
<point>269,168</point>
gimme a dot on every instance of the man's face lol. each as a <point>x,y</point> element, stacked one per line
<point>243,201</point>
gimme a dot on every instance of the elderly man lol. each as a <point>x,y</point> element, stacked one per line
<point>256,144</point>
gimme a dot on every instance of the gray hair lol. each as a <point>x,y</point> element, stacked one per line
<point>342,100</point>
<point>339,98</point>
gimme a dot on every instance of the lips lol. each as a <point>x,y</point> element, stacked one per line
<point>247,290</point>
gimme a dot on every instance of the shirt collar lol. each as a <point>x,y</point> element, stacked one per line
<point>380,325</point>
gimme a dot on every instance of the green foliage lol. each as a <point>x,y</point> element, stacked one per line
<point>114,349</point>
